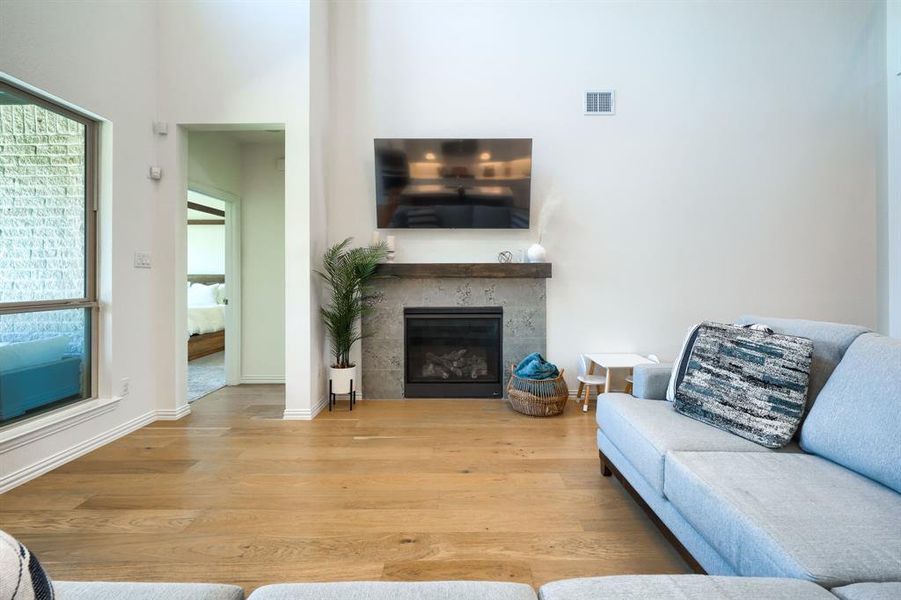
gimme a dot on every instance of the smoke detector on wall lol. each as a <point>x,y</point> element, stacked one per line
<point>600,102</point>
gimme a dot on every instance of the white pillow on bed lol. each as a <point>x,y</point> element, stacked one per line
<point>202,295</point>
<point>220,293</point>
<point>19,355</point>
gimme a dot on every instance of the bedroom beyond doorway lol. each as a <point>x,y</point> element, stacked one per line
<point>207,294</point>
<point>235,257</point>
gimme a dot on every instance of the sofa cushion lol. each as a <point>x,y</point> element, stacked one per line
<point>869,591</point>
<point>100,590</point>
<point>789,515</point>
<point>681,587</point>
<point>645,430</point>
<point>830,341</point>
<point>856,419</point>
<point>389,590</point>
<point>708,558</point>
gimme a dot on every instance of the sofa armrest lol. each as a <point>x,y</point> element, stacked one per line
<point>650,381</point>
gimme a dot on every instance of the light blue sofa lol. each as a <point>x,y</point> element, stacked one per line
<point>627,587</point>
<point>109,590</point>
<point>826,508</point>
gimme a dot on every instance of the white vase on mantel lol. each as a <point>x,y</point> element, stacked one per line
<point>536,253</point>
<point>341,379</point>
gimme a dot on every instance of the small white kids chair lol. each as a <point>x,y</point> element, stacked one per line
<point>587,379</point>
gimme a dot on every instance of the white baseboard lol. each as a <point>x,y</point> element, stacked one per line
<point>297,414</point>
<point>252,379</point>
<point>173,414</point>
<point>305,414</point>
<point>34,429</point>
<point>37,469</point>
<point>320,406</point>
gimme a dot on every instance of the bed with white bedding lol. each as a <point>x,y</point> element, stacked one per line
<point>206,319</point>
<point>206,315</point>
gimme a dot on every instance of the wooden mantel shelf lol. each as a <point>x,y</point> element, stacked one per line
<point>464,270</point>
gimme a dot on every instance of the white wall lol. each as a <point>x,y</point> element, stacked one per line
<point>112,73</point>
<point>262,264</point>
<point>320,87</point>
<point>222,63</point>
<point>214,164</point>
<point>213,169</point>
<point>738,174</point>
<point>206,249</point>
<point>891,267</point>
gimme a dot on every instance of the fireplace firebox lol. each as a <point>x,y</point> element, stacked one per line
<point>453,352</point>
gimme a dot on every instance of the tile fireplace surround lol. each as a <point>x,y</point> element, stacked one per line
<point>518,288</point>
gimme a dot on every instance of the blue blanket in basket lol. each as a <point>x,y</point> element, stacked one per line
<point>535,367</point>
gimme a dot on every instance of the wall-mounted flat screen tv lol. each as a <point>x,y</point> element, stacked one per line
<point>453,183</point>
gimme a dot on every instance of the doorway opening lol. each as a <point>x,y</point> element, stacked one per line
<point>235,261</point>
<point>207,294</point>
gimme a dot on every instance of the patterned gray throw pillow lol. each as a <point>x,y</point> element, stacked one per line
<point>21,575</point>
<point>751,383</point>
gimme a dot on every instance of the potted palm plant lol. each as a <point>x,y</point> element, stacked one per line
<point>347,273</point>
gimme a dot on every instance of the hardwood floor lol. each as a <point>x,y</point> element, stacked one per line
<point>401,490</point>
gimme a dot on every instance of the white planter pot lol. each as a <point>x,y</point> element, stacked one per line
<point>536,253</point>
<point>341,379</point>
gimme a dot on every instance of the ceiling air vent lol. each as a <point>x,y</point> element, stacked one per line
<point>600,103</point>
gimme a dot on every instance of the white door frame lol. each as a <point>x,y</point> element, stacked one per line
<point>232,277</point>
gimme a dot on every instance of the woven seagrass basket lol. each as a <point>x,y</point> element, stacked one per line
<point>537,397</point>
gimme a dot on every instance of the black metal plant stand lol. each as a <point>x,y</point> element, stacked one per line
<point>333,397</point>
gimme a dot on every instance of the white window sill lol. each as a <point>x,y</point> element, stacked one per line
<point>40,426</point>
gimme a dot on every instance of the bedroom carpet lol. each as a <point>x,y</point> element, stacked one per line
<point>205,375</point>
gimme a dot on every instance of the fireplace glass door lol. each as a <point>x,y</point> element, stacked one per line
<point>453,352</point>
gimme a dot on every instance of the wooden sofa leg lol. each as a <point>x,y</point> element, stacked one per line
<point>605,470</point>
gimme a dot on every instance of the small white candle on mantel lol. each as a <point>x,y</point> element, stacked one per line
<point>376,238</point>
<point>389,243</point>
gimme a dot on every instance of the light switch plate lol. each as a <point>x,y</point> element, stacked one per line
<point>142,260</point>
